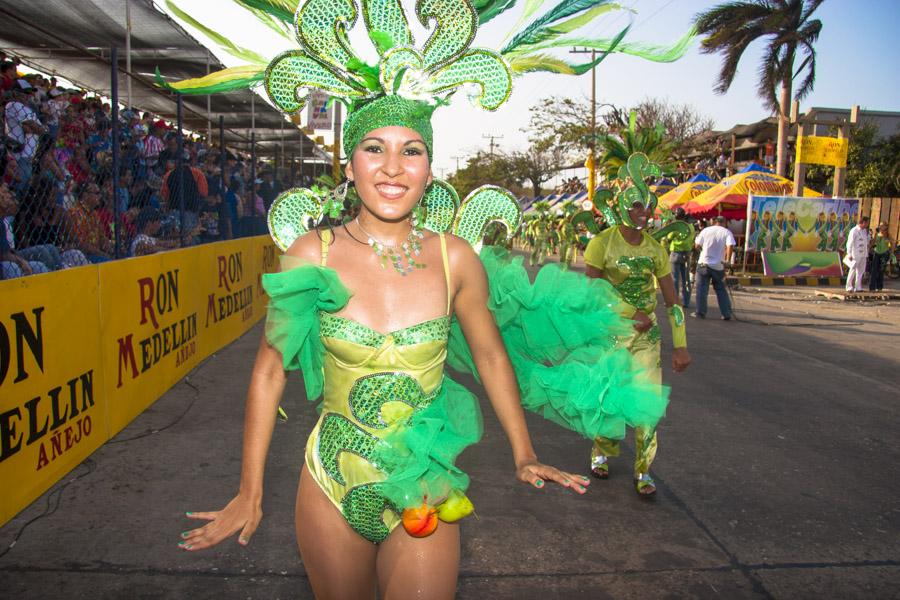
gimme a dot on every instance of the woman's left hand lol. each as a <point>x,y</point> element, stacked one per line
<point>537,474</point>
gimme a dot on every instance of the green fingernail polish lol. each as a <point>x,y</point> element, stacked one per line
<point>188,547</point>
<point>188,513</point>
<point>184,534</point>
<point>539,483</point>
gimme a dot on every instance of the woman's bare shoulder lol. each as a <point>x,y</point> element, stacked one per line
<point>308,246</point>
<point>462,256</point>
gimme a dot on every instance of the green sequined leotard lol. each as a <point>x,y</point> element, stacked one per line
<point>373,382</point>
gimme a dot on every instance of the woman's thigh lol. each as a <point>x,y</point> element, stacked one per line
<point>419,568</point>
<point>340,563</point>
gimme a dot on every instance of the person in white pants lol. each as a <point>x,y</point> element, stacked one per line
<point>857,253</point>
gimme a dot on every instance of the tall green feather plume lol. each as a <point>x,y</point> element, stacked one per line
<point>540,62</point>
<point>488,9</point>
<point>543,62</point>
<point>639,49</point>
<point>283,10</point>
<point>279,26</point>
<point>221,40</point>
<point>226,80</point>
<point>539,28</point>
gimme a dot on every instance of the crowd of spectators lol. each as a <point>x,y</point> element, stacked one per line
<point>59,197</point>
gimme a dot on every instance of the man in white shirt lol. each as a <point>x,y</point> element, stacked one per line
<point>716,245</point>
<point>23,126</point>
<point>857,254</point>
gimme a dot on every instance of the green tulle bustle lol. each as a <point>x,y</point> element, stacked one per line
<point>562,334</point>
<point>419,457</point>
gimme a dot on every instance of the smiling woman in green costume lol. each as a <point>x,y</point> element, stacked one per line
<point>372,310</point>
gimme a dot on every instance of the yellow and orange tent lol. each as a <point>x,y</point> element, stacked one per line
<point>685,192</point>
<point>730,195</point>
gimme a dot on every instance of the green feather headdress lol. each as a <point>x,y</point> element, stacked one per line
<point>431,73</point>
<point>408,82</point>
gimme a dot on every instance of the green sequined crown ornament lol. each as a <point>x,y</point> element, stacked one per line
<point>408,82</point>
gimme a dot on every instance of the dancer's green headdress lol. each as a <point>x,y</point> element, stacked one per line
<point>409,81</point>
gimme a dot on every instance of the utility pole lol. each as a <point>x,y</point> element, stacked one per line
<point>492,138</point>
<point>457,159</point>
<point>592,169</point>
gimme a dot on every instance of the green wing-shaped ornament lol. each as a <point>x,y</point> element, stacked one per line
<point>485,205</point>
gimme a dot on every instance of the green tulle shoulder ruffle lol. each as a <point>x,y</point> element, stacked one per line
<point>296,295</point>
<point>562,333</point>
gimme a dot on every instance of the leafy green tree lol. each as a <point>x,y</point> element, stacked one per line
<point>873,166</point>
<point>790,34</point>
<point>482,169</point>
<point>539,163</point>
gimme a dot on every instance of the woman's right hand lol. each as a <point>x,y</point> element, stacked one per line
<point>241,514</point>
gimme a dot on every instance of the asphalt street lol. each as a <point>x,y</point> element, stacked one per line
<point>777,473</point>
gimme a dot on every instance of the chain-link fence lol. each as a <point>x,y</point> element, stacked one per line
<point>83,182</point>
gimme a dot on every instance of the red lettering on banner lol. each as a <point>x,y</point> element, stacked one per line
<point>223,272</point>
<point>63,441</point>
<point>211,309</point>
<point>146,286</point>
<point>161,296</point>
<point>126,356</point>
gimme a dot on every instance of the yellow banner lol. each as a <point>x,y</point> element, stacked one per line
<point>52,401</point>
<point>150,310</point>
<point>816,150</point>
<point>233,298</point>
<point>84,351</point>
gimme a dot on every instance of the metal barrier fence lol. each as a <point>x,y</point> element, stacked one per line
<point>83,182</point>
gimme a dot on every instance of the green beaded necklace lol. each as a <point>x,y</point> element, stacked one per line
<point>401,259</point>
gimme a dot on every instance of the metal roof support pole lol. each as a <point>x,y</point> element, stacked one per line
<point>293,168</point>
<point>282,148</point>
<point>229,234</point>
<point>177,175</point>
<point>208,108</point>
<point>114,117</point>
<point>252,199</point>
<point>128,48</point>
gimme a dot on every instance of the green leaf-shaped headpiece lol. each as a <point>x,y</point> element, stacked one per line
<point>406,84</point>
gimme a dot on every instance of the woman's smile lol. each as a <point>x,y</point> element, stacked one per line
<point>391,191</point>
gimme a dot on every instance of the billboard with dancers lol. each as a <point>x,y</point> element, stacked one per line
<point>793,224</point>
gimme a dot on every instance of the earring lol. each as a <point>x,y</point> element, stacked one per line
<point>418,215</point>
<point>334,204</point>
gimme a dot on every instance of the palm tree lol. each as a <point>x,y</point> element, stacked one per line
<point>789,32</point>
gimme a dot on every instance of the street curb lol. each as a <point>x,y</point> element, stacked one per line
<point>785,281</point>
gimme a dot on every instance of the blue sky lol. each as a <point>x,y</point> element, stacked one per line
<point>857,64</point>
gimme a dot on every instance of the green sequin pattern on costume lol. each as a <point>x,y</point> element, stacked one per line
<point>341,328</point>
<point>653,335</point>
<point>291,216</point>
<point>389,111</point>
<point>640,270</point>
<point>364,507</point>
<point>339,434</point>
<point>348,330</point>
<point>371,393</point>
<point>488,204</point>
<point>441,202</point>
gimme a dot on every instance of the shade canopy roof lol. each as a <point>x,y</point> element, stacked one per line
<point>73,39</point>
